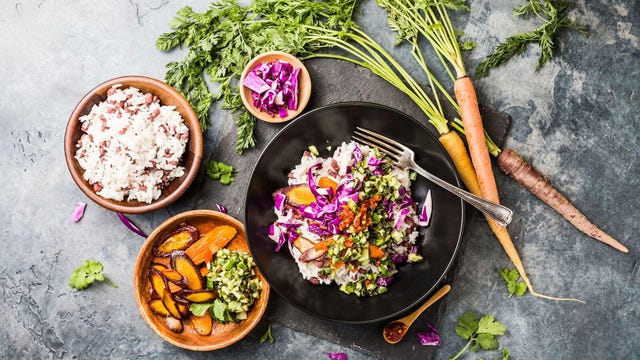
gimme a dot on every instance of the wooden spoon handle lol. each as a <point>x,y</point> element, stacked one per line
<point>409,319</point>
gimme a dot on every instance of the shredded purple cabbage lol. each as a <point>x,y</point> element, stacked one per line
<point>274,87</point>
<point>222,209</point>
<point>384,281</point>
<point>78,213</point>
<point>431,337</point>
<point>279,200</point>
<point>131,225</point>
<point>337,356</point>
<point>425,213</point>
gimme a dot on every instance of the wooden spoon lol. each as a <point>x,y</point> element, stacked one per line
<point>394,331</point>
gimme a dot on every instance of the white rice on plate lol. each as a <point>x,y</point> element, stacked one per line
<point>132,146</point>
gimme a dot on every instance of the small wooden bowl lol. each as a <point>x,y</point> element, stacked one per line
<point>304,86</point>
<point>191,159</point>
<point>222,335</point>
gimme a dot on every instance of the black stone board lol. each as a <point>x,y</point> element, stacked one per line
<point>338,81</point>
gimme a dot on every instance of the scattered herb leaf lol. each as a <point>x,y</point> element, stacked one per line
<point>221,172</point>
<point>87,273</point>
<point>267,336</point>
<point>481,333</point>
<point>511,276</point>
<point>199,309</point>
<point>505,354</point>
<point>553,14</point>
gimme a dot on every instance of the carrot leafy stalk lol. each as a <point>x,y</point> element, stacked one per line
<point>554,18</point>
<point>432,21</point>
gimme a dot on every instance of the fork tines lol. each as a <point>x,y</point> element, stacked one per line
<point>383,143</point>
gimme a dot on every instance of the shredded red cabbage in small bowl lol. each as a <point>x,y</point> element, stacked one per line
<point>274,87</point>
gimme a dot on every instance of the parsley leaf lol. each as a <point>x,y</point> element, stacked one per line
<point>481,333</point>
<point>553,15</point>
<point>221,172</point>
<point>87,273</point>
<point>511,276</point>
<point>267,336</point>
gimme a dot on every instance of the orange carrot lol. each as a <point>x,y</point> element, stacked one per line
<point>478,150</point>
<point>516,167</point>
<point>454,146</point>
<point>207,246</point>
<point>325,182</point>
<point>458,153</point>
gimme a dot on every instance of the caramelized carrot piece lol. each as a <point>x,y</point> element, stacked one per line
<point>207,246</point>
<point>325,182</point>
<point>202,324</point>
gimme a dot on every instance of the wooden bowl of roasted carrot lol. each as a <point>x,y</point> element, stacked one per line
<point>195,283</point>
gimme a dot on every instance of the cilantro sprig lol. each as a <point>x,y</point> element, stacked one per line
<point>222,172</point>
<point>481,333</point>
<point>87,273</point>
<point>511,276</point>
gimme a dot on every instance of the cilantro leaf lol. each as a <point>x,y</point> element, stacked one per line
<point>514,286</point>
<point>488,325</point>
<point>486,342</point>
<point>220,171</point>
<point>267,336</point>
<point>199,309</point>
<point>89,272</point>
<point>480,333</point>
<point>221,312</point>
<point>467,325</point>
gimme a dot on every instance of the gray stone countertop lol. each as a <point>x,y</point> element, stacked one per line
<point>576,120</point>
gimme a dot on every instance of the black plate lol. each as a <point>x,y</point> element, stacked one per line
<point>330,126</point>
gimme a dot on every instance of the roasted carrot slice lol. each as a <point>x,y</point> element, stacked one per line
<point>158,283</point>
<point>158,308</point>
<point>202,324</point>
<point>178,240</point>
<point>299,195</point>
<point>204,271</point>
<point>326,182</point>
<point>207,246</point>
<point>181,263</point>
<point>170,303</point>
<point>198,296</point>
<point>174,288</point>
<point>169,274</point>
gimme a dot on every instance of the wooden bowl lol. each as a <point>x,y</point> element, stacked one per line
<point>191,159</point>
<point>304,86</point>
<point>222,335</point>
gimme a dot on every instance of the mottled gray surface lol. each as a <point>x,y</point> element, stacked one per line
<point>576,120</point>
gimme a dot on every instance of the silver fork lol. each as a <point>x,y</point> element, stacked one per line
<point>405,158</point>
